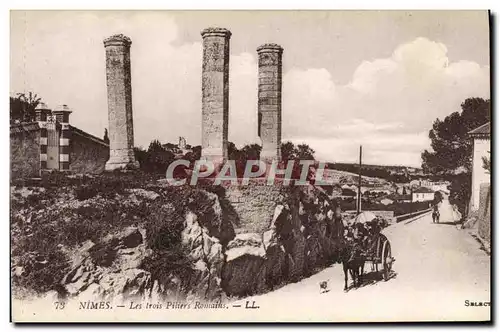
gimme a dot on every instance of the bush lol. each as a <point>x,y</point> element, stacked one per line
<point>460,192</point>
<point>69,211</point>
<point>41,272</point>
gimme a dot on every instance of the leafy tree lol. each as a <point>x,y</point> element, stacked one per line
<point>106,137</point>
<point>301,152</point>
<point>171,147</point>
<point>247,152</point>
<point>156,159</point>
<point>451,154</point>
<point>141,156</point>
<point>487,164</point>
<point>450,142</point>
<point>251,152</point>
<point>304,152</point>
<point>194,154</point>
<point>288,151</point>
<point>297,153</point>
<point>22,107</point>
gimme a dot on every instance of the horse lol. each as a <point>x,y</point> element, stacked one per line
<point>353,262</point>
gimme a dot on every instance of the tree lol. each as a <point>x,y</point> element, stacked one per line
<point>106,137</point>
<point>172,148</point>
<point>297,153</point>
<point>451,154</point>
<point>156,159</point>
<point>487,164</point>
<point>438,197</point>
<point>288,151</point>
<point>22,107</point>
<point>194,154</point>
<point>302,152</point>
<point>251,152</point>
<point>450,142</point>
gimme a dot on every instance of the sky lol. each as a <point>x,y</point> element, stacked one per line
<point>372,78</point>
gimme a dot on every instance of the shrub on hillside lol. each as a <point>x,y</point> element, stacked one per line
<point>61,214</point>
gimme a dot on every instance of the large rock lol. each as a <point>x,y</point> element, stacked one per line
<point>205,253</point>
<point>298,241</point>
<point>110,268</point>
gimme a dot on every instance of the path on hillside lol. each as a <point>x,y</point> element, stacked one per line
<point>438,267</point>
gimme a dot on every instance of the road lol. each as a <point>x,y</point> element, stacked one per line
<point>438,267</point>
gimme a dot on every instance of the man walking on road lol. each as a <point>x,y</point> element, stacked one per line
<point>435,213</point>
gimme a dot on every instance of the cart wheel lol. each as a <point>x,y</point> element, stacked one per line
<point>387,260</point>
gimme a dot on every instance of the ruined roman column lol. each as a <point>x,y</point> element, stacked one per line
<point>269,101</point>
<point>121,127</point>
<point>215,93</point>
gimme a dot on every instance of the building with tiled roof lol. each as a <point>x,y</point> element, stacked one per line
<point>483,130</point>
<point>422,194</point>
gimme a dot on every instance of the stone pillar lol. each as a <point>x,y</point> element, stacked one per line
<point>121,127</point>
<point>41,114</point>
<point>62,113</point>
<point>269,104</point>
<point>215,93</point>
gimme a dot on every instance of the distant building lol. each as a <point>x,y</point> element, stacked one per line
<point>399,198</point>
<point>182,143</point>
<point>422,194</point>
<point>481,148</point>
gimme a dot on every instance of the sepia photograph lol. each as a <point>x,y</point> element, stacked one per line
<point>250,166</point>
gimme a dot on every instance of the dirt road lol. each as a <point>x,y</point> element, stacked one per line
<point>438,267</point>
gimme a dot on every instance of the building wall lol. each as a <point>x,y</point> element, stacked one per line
<point>255,204</point>
<point>484,227</point>
<point>87,154</point>
<point>386,215</point>
<point>479,174</point>
<point>439,187</point>
<point>25,154</point>
<point>422,197</point>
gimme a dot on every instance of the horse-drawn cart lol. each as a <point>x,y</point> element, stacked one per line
<point>364,242</point>
<point>379,253</point>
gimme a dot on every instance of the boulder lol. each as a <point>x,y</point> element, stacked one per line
<point>245,244</point>
<point>205,253</point>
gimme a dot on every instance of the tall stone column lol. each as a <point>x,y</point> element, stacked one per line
<point>269,104</point>
<point>215,93</point>
<point>121,127</point>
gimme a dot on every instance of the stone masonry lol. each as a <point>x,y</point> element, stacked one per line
<point>269,100</point>
<point>121,128</point>
<point>215,92</point>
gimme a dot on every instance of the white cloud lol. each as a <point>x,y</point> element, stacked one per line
<point>388,106</point>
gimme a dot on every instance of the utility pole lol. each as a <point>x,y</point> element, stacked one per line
<point>358,210</point>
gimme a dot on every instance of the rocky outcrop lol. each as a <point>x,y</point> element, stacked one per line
<point>206,254</point>
<point>202,244</point>
<point>111,268</point>
<point>297,241</point>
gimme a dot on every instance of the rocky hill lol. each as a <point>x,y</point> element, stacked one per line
<point>121,236</point>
